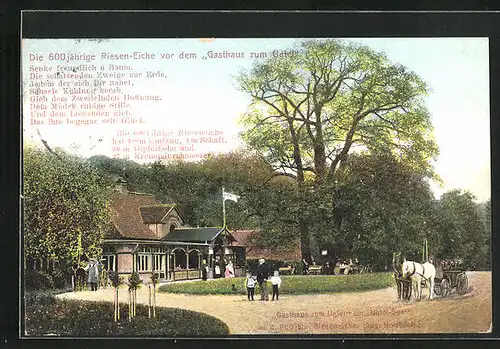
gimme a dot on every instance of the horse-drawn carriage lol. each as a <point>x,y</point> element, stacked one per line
<point>447,276</point>
<point>450,275</point>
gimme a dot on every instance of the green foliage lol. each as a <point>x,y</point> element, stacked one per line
<point>296,284</point>
<point>484,262</point>
<point>155,279</point>
<point>463,229</point>
<point>46,314</point>
<point>64,198</point>
<point>329,96</point>
<point>135,174</point>
<point>134,281</point>
<point>61,278</point>
<point>380,205</point>
<point>38,280</point>
<point>115,278</point>
<point>310,110</point>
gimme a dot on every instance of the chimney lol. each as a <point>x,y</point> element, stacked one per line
<point>121,186</point>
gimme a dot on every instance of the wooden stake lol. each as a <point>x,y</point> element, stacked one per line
<point>135,299</point>
<point>149,301</point>
<point>117,304</point>
<point>115,307</point>
<point>154,300</point>
<point>129,305</point>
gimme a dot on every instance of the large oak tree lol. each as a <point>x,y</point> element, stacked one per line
<point>310,110</point>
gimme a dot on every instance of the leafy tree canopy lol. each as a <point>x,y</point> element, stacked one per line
<point>64,198</point>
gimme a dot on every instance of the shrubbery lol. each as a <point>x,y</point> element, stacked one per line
<point>38,280</point>
<point>61,279</point>
<point>48,315</point>
<point>297,284</point>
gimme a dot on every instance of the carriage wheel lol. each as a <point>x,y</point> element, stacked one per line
<point>438,289</point>
<point>445,287</point>
<point>462,284</point>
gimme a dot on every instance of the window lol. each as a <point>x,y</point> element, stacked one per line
<point>142,262</point>
<point>109,261</point>
<point>194,259</point>
<point>158,261</point>
<point>179,261</point>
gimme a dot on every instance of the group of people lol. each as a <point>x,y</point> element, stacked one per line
<point>262,277</point>
<point>228,273</point>
<point>92,272</point>
<point>452,263</point>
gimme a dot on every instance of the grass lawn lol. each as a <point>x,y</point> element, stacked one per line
<point>48,315</point>
<point>296,284</point>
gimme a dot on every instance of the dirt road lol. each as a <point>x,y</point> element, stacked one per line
<point>363,312</point>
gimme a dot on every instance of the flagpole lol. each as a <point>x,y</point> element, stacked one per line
<point>223,209</point>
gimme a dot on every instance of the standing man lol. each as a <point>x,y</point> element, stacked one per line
<point>93,274</point>
<point>217,268</point>
<point>204,271</point>
<point>262,276</point>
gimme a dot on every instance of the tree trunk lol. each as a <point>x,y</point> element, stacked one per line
<point>319,151</point>
<point>302,194</point>
<point>304,239</point>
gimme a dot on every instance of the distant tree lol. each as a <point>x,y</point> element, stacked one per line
<point>485,262</point>
<point>136,175</point>
<point>461,229</point>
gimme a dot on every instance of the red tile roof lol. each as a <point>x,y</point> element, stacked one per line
<point>127,217</point>
<point>246,237</point>
<point>154,214</point>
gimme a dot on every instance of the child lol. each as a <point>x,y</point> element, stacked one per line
<point>276,282</point>
<point>250,285</point>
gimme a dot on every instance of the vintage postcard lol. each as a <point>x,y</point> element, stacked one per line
<point>212,187</point>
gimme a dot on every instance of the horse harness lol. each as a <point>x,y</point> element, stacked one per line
<point>415,271</point>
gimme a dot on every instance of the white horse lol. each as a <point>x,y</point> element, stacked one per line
<point>416,272</point>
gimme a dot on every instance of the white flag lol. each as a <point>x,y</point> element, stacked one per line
<point>229,196</point>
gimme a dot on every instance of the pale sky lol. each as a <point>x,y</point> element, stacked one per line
<point>201,94</point>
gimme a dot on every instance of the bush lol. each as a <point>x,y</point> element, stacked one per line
<point>46,314</point>
<point>296,284</point>
<point>38,280</point>
<point>61,279</point>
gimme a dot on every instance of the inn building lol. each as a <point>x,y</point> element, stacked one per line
<point>151,237</point>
